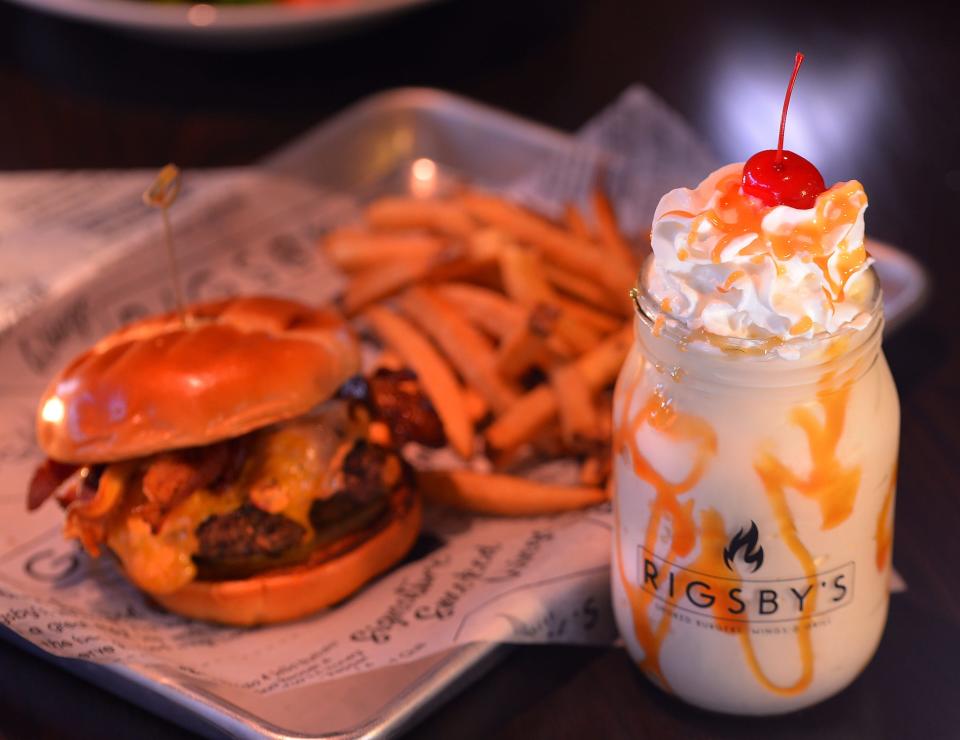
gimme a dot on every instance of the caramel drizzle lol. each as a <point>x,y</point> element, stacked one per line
<point>832,485</point>
<point>658,325</point>
<point>658,413</point>
<point>677,212</point>
<point>746,217</point>
<point>738,215</point>
<point>709,563</point>
<point>803,325</point>
<point>731,279</point>
<point>884,534</point>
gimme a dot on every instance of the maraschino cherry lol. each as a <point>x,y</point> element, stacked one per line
<point>779,177</point>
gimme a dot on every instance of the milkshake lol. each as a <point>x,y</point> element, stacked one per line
<point>755,446</point>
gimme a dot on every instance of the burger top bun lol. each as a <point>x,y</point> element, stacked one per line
<point>157,384</point>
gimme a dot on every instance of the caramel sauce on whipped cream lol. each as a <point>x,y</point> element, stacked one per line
<point>735,267</point>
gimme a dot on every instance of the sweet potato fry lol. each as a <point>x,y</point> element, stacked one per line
<point>438,379</point>
<point>489,310</point>
<point>352,251</point>
<point>610,237</point>
<point>440,216</point>
<point>557,245</point>
<point>469,351</point>
<point>503,495</point>
<point>578,415</point>
<point>538,406</point>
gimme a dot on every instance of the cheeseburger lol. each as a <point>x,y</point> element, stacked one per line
<point>227,463</point>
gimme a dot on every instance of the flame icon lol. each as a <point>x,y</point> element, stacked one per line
<point>749,542</point>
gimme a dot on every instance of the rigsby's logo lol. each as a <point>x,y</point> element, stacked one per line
<point>749,543</point>
<point>735,596</point>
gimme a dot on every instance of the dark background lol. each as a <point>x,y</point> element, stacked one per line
<point>877,100</point>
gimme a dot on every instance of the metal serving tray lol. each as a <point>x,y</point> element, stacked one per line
<point>363,151</point>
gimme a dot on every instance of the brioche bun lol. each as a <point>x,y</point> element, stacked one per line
<point>158,384</point>
<point>291,593</point>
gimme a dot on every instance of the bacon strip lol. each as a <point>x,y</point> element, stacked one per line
<point>172,475</point>
<point>47,478</point>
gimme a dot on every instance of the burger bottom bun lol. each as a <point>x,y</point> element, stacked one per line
<point>297,592</point>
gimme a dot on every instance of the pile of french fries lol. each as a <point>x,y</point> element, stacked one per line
<point>515,325</point>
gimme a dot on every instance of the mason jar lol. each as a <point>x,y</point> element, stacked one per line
<point>754,497</point>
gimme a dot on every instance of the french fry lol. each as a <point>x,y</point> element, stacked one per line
<point>483,290</point>
<point>604,404</point>
<point>578,415</point>
<point>555,244</point>
<point>595,469</point>
<point>576,223</point>
<point>524,280</point>
<point>610,237</point>
<point>463,266</point>
<point>523,277</point>
<point>352,251</point>
<point>579,336</point>
<point>438,379</point>
<point>477,261</point>
<point>488,243</point>
<point>382,281</point>
<point>547,444</point>
<point>526,417</point>
<point>538,406</point>
<point>586,290</point>
<point>440,216</point>
<point>469,351</point>
<point>491,311</point>
<point>530,345</point>
<point>503,495</point>
<point>596,320</point>
<point>477,407</point>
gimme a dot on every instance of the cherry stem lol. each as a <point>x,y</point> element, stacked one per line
<point>778,160</point>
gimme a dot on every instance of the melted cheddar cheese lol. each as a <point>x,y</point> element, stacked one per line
<point>289,466</point>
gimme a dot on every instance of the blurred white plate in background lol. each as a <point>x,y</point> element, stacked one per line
<point>213,24</point>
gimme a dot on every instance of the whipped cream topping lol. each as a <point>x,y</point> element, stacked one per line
<point>728,264</point>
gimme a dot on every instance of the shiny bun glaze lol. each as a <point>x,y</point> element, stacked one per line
<point>157,384</point>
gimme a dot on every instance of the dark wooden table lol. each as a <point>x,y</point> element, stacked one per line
<point>885,81</point>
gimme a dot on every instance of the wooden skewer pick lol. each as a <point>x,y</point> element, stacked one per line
<point>161,194</point>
